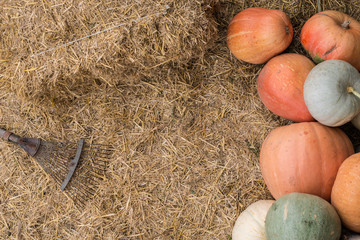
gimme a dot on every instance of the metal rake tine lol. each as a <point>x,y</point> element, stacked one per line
<point>78,168</point>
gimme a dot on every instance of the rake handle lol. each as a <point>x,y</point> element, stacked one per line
<point>30,145</point>
<point>9,136</point>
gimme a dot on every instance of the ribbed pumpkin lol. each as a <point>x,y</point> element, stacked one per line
<point>345,194</point>
<point>280,86</point>
<point>303,157</point>
<point>356,121</point>
<point>257,34</point>
<point>300,216</point>
<point>332,35</point>
<point>349,235</point>
<point>332,92</point>
<point>250,224</point>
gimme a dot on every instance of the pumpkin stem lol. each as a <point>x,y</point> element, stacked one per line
<point>346,24</point>
<point>353,91</point>
<point>319,6</point>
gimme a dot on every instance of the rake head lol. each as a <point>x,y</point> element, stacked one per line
<point>77,168</point>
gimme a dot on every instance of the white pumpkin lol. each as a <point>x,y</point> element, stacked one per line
<point>356,121</point>
<point>250,225</point>
<point>353,237</point>
<point>350,235</point>
<point>331,92</point>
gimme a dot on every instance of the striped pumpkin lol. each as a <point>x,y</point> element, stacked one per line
<point>257,34</point>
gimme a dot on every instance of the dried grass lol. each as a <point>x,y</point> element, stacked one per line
<point>182,112</point>
<point>149,38</point>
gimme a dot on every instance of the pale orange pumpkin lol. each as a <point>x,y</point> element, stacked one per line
<point>280,86</point>
<point>303,157</point>
<point>257,34</point>
<point>332,35</point>
<point>345,195</point>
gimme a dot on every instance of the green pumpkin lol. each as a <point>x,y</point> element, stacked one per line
<point>332,92</point>
<point>301,216</point>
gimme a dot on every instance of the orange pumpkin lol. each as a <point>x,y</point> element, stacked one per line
<point>303,157</point>
<point>280,86</point>
<point>257,34</point>
<point>345,195</point>
<point>332,35</point>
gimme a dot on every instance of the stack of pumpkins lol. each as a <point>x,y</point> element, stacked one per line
<point>309,166</point>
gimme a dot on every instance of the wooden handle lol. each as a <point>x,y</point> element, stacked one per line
<point>9,136</point>
<point>5,134</point>
<point>2,132</point>
<point>30,145</point>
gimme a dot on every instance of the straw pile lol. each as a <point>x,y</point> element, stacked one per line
<point>145,37</point>
<point>182,112</point>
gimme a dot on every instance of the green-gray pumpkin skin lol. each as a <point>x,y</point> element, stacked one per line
<point>301,216</point>
<point>326,95</point>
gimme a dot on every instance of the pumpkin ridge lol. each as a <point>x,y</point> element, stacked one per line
<point>254,218</point>
<point>229,37</point>
<point>325,165</point>
<point>298,170</point>
<point>273,168</point>
<point>319,132</point>
<point>274,188</point>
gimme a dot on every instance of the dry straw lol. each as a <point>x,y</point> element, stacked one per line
<point>102,31</point>
<point>181,111</point>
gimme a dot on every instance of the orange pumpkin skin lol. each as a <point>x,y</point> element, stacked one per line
<point>345,195</point>
<point>257,34</point>
<point>280,86</point>
<point>303,157</point>
<point>324,37</point>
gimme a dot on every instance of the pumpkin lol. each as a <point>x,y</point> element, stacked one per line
<point>300,216</point>
<point>331,92</point>
<point>280,86</point>
<point>332,35</point>
<point>303,157</point>
<point>356,121</point>
<point>250,224</point>
<point>257,34</point>
<point>349,235</point>
<point>345,195</point>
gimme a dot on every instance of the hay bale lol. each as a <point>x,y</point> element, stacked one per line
<point>150,36</point>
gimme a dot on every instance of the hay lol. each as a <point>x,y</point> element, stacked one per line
<point>182,112</point>
<point>150,35</point>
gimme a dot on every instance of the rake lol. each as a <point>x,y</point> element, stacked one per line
<point>77,168</point>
